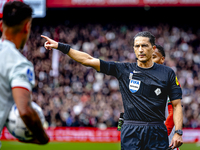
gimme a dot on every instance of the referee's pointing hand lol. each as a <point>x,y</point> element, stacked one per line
<point>49,44</point>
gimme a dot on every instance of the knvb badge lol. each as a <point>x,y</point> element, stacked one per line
<point>134,85</point>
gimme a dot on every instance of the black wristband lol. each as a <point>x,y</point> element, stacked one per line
<point>64,47</point>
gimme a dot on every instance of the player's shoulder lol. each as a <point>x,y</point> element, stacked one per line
<point>19,57</point>
<point>10,54</point>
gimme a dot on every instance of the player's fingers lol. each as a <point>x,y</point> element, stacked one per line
<point>34,141</point>
<point>181,144</point>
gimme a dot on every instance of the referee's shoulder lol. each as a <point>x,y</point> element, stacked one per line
<point>163,67</point>
<point>126,64</point>
<point>130,64</point>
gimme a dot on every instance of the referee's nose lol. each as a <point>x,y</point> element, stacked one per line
<point>140,49</point>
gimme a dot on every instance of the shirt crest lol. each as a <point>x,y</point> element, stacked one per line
<point>134,85</point>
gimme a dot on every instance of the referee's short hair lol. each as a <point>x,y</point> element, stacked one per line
<point>15,12</point>
<point>160,49</point>
<point>146,34</point>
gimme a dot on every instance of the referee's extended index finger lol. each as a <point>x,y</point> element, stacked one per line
<point>45,37</point>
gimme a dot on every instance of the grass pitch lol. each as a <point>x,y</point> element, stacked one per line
<point>14,145</point>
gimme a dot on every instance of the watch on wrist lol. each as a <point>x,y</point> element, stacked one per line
<point>179,132</point>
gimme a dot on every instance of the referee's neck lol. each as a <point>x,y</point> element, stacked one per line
<point>145,65</point>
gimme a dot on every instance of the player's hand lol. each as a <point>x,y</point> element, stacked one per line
<point>35,141</point>
<point>50,44</point>
<point>177,141</point>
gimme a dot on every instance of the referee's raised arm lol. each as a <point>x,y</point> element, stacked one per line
<point>81,57</point>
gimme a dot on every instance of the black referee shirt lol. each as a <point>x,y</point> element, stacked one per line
<point>144,90</point>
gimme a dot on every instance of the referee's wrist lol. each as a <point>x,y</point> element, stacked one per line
<point>64,47</point>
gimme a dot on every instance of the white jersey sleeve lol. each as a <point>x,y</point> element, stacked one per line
<point>22,75</point>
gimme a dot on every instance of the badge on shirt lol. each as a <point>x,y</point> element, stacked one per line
<point>177,82</point>
<point>158,91</point>
<point>134,85</point>
<point>130,75</point>
<point>29,75</point>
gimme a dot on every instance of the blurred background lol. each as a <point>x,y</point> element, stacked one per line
<point>72,95</point>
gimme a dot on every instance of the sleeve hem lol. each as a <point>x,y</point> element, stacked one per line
<point>22,84</point>
<point>20,88</point>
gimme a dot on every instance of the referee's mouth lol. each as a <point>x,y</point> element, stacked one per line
<point>142,55</point>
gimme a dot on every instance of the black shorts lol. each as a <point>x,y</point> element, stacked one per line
<point>139,135</point>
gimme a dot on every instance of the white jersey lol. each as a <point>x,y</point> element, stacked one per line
<point>15,71</point>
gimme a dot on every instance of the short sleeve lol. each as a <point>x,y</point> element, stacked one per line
<point>175,91</point>
<point>22,75</point>
<point>111,68</point>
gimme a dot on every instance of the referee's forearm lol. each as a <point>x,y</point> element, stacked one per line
<point>79,56</point>
<point>178,116</point>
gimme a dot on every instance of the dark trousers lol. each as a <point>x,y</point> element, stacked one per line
<point>139,135</point>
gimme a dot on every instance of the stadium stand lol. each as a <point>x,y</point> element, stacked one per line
<point>79,96</point>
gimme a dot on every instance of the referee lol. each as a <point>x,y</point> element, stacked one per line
<point>144,87</point>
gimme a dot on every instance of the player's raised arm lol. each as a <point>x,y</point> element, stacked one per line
<point>81,57</point>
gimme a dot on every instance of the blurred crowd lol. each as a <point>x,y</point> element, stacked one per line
<point>74,95</point>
